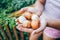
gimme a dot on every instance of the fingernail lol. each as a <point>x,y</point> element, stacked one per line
<point>20,28</point>
<point>16,23</point>
<point>16,26</point>
<point>15,19</point>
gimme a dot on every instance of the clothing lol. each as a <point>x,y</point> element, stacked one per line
<point>52,33</point>
<point>52,10</point>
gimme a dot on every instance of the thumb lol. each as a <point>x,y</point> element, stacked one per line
<point>34,32</point>
<point>31,9</point>
<point>21,11</point>
<point>24,9</point>
<point>17,21</point>
<point>19,26</point>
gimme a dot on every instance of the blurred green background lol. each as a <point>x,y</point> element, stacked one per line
<point>6,9</point>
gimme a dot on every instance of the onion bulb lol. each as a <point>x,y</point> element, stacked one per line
<point>35,24</point>
<point>26,24</point>
<point>35,17</point>
<point>21,19</point>
<point>27,15</point>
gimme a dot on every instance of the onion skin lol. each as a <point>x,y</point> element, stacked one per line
<point>27,15</point>
<point>34,17</point>
<point>35,24</point>
<point>21,19</point>
<point>26,24</point>
<point>29,24</point>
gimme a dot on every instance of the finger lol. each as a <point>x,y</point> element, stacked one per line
<point>38,34</point>
<point>38,13</point>
<point>21,11</point>
<point>43,23</point>
<point>17,21</point>
<point>33,32</point>
<point>25,29</point>
<point>28,30</point>
<point>31,9</point>
<point>35,36</point>
<point>19,26</point>
<point>24,9</point>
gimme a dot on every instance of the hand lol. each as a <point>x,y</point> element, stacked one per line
<point>43,24</point>
<point>33,9</point>
<point>21,28</point>
<point>35,32</point>
<point>35,36</point>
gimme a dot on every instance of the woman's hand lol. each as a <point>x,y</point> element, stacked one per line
<point>43,24</point>
<point>37,8</point>
<point>32,9</point>
<point>35,36</point>
<point>21,28</point>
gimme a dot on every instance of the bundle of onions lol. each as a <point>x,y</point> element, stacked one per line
<point>29,20</point>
